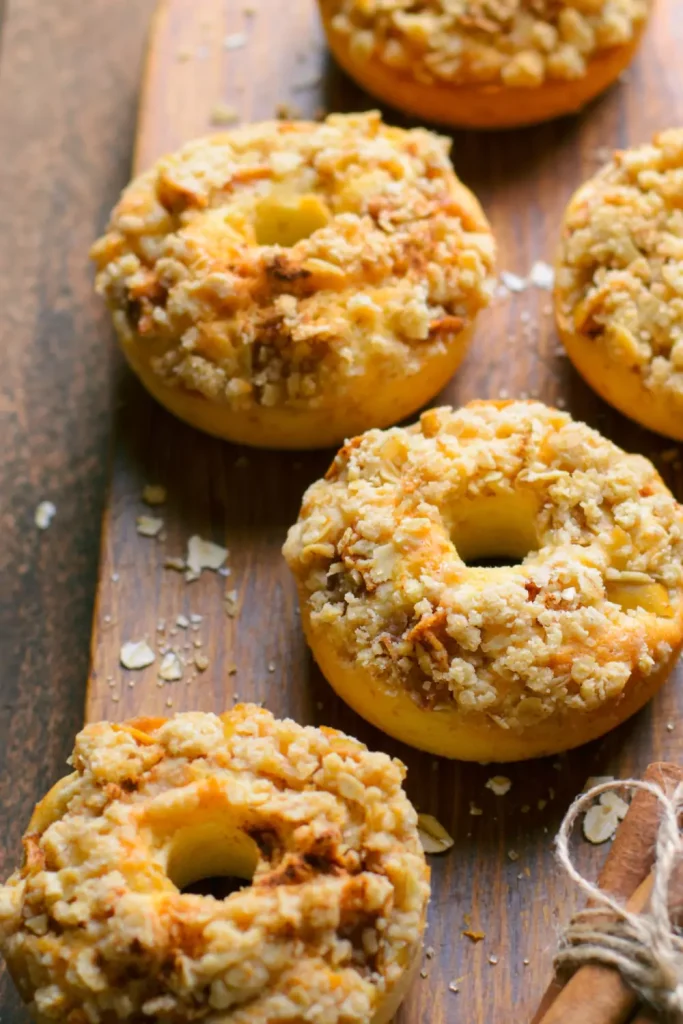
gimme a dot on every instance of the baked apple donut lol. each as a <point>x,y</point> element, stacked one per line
<point>290,284</point>
<point>619,283</point>
<point>94,926</point>
<point>485,63</point>
<point>491,663</point>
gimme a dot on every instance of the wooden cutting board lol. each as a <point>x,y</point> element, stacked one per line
<point>206,58</point>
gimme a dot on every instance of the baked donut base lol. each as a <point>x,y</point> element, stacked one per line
<point>378,401</point>
<point>53,806</point>
<point>481,106</point>
<point>471,737</point>
<point>622,386</point>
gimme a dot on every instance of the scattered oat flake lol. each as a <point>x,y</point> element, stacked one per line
<point>474,810</point>
<point>454,985</point>
<point>170,669</point>
<point>177,564</point>
<point>182,621</point>
<point>153,494</point>
<point>542,275</point>
<point>493,960</point>
<point>423,973</point>
<point>474,936</point>
<point>499,784</point>
<point>235,41</point>
<point>513,855</point>
<point>136,654</point>
<point>599,824</point>
<point>201,661</point>
<point>223,113</point>
<point>149,526</point>
<point>196,619</point>
<point>204,554</point>
<point>271,666</point>
<point>44,514</point>
<point>429,952</point>
<point>513,282</point>
<point>232,669</point>
<point>670,726</point>
<point>433,836</point>
<point>230,603</point>
<point>614,802</point>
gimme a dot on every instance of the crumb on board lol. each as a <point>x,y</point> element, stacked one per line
<point>230,603</point>
<point>433,836</point>
<point>149,526</point>
<point>473,936</point>
<point>223,114</point>
<point>542,275</point>
<point>204,554</point>
<point>136,654</point>
<point>513,282</point>
<point>154,494</point>
<point>499,784</point>
<point>171,668</point>
<point>475,811</point>
<point>513,855</point>
<point>287,112</point>
<point>235,41</point>
<point>182,621</point>
<point>44,514</point>
<point>201,661</point>
<point>177,564</point>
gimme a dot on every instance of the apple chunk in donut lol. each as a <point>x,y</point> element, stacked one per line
<point>289,284</point>
<point>328,927</point>
<point>421,635</point>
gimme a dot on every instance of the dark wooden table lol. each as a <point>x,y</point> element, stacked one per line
<point>69,74</point>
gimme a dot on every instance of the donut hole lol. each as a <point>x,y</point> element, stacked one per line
<point>499,530</point>
<point>212,858</point>
<point>285,219</point>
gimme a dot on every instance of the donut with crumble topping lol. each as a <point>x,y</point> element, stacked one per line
<point>95,925</point>
<point>485,63</point>
<point>491,662</point>
<point>619,283</point>
<point>290,284</point>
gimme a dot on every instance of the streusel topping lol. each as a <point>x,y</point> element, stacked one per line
<point>620,268</point>
<point>376,561</point>
<point>94,926</point>
<point>274,263</point>
<point>516,42</point>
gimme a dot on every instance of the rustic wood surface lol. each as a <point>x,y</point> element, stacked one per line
<point>67,79</point>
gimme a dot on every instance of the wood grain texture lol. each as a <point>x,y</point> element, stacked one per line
<point>69,76</point>
<point>247,499</point>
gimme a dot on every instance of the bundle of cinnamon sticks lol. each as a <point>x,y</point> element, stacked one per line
<point>597,994</point>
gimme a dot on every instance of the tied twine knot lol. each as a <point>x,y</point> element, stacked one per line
<point>646,948</point>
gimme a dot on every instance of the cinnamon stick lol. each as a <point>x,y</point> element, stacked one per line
<point>632,854</point>
<point>597,994</point>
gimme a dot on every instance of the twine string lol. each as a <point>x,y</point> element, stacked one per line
<point>646,948</point>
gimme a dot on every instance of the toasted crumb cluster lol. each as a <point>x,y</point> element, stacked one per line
<point>94,927</point>
<point>620,267</point>
<point>596,598</point>
<point>274,264</point>
<point>517,42</point>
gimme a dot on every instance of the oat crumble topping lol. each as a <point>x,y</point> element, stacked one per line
<point>94,927</point>
<point>518,43</point>
<point>272,264</point>
<point>620,266</point>
<point>597,597</point>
